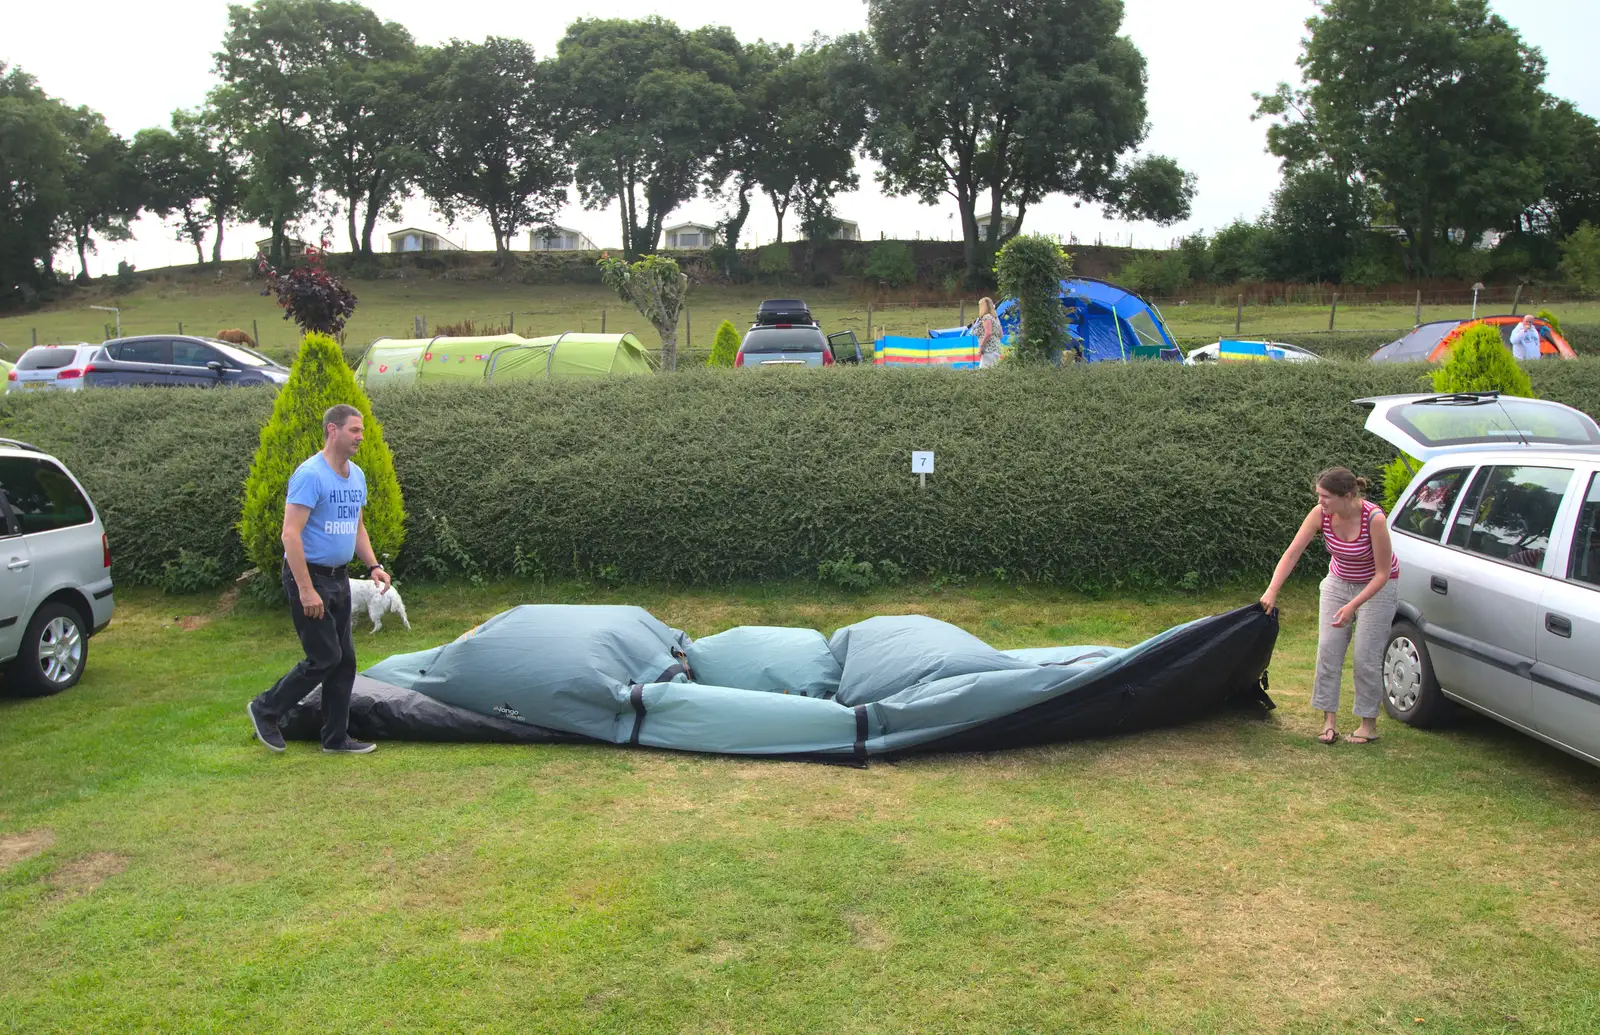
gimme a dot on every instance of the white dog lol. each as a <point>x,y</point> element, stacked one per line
<point>364,596</point>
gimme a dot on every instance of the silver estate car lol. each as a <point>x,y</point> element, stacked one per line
<point>1498,536</point>
<point>55,572</point>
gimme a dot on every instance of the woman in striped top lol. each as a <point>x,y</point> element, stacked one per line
<point>1361,591</point>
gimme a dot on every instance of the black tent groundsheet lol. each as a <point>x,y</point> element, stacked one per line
<point>885,687</point>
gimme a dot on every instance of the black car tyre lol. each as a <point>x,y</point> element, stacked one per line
<point>1410,692</point>
<point>54,650</point>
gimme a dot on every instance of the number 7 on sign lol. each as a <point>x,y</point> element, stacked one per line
<point>922,465</point>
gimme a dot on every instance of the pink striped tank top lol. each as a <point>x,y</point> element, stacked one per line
<point>1352,560</point>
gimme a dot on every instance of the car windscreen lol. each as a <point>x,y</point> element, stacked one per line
<point>242,356</point>
<point>49,357</point>
<point>1506,420</point>
<point>785,339</point>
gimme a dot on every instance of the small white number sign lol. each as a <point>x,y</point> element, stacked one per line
<point>921,462</point>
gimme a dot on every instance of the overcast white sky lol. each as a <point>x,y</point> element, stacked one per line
<point>136,62</point>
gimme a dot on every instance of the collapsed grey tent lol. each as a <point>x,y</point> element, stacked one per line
<point>883,687</point>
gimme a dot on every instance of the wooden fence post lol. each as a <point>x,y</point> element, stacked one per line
<point>511,322</point>
<point>688,329</point>
<point>255,333</point>
<point>419,326</point>
<point>1238,315</point>
<point>180,326</point>
<point>1333,311</point>
<point>963,312</point>
<point>869,322</point>
<point>602,321</point>
<point>1419,307</point>
<point>34,331</point>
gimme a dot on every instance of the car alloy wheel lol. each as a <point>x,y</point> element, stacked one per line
<point>1402,673</point>
<point>60,650</point>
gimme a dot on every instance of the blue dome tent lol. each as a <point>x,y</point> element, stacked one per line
<point>1105,322</point>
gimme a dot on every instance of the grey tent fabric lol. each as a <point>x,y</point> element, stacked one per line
<point>541,673</point>
<point>885,655</point>
<point>766,658</point>
<point>1416,345</point>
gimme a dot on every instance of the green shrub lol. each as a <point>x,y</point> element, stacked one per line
<point>891,265</point>
<point>1155,273</point>
<point>1208,469</point>
<point>1397,475</point>
<point>1550,318</point>
<point>319,379</point>
<point>774,260</point>
<point>726,346</point>
<point>1030,269</point>
<point>1480,362</point>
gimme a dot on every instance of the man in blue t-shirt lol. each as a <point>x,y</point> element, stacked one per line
<point>322,531</point>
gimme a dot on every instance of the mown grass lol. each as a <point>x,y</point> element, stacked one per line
<point>1231,876</point>
<point>387,307</point>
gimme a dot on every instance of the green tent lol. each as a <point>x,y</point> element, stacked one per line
<point>573,355</point>
<point>502,357</point>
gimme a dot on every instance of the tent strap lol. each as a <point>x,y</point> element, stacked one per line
<point>636,698</point>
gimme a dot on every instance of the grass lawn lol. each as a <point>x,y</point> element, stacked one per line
<point>386,307</point>
<point>160,871</point>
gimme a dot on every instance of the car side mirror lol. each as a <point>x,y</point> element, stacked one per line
<point>215,366</point>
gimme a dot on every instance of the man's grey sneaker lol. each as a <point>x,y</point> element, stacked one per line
<point>350,747</point>
<point>266,729</point>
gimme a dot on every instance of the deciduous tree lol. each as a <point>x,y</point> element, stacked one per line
<point>492,147</point>
<point>1005,105</point>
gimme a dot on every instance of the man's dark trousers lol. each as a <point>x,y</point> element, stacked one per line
<point>330,655</point>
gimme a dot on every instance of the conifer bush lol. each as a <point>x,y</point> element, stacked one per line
<point>319,379</point>
<point>726,346</point>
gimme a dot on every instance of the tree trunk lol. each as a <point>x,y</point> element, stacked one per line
<point>370,223</point>
<point>199,252</point>
<point>780,211</point>
<point>734,228</point>
<point>350,218</point>
<point>669,346</point>
<point>83,253</point>
<point>216,246</point>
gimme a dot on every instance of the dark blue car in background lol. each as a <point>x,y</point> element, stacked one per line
<point>179,361</point>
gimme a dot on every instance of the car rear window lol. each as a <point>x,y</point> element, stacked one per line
<point>785,339</point>
<point>48,357</point>
<point>42,496</point>
<point>1507,421</point>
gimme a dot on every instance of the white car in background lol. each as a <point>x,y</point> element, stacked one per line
<point>1498,536</point>
<point>51,368</point>
<point>1230,351</point>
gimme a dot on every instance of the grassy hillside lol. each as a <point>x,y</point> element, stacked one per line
<point>205,301</point>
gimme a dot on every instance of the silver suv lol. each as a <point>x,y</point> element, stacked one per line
<point>55,572</point>
<point>1498,536</point>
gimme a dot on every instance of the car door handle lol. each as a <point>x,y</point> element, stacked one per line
<point>1558,624</point>
<point>1439,584</point>
<point>18,563</point>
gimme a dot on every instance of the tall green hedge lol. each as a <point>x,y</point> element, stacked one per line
<point>1095,477</point>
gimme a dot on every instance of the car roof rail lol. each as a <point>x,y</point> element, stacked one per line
<point>19,444</point>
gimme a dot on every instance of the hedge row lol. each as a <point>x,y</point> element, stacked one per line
<point>1097,478</point>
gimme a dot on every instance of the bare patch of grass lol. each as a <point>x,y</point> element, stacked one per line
<point>81,876</point>
<point>15,848</point>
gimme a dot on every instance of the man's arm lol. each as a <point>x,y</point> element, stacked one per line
<point>367,557</point>
<point>294,553</point>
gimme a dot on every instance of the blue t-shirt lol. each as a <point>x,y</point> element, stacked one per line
<point>330,533</point>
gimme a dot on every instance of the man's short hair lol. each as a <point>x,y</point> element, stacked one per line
<point>338,415</point>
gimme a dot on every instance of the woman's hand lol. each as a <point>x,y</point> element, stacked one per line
<point>1345,615</point>
<point>1269,600</point>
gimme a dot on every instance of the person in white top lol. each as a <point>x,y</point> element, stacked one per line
<point>1525,342</point>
